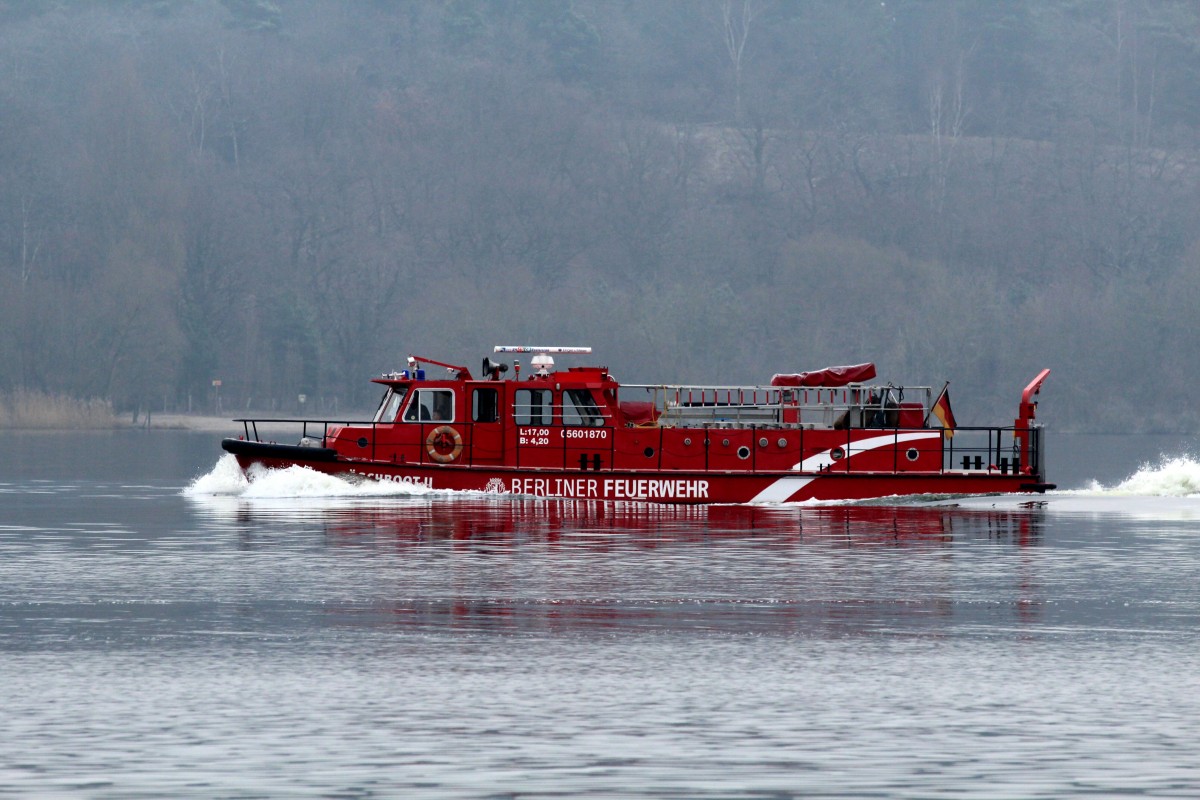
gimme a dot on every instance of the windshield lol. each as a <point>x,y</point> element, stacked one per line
<point>390,405</point>
<point>579,408</point>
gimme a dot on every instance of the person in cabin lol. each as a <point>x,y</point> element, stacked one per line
<point>442,406</point>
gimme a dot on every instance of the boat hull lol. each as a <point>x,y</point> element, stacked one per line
<point>657,486</point>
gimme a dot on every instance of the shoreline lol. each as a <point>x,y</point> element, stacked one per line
<point>183,422</point>
<point>200,423</point>
<point>158,422</point>
<point>208,423</point>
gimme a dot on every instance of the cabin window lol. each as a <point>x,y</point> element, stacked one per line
<point>390,405</point>
<point>485,405</point>
<point>431,405</point>
<point>533,407</point>
<point>579,408</point>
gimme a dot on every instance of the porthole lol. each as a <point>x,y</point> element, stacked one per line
<point>362,441</point>
<point>911,454</point>
<point>837,454</point>
<point>782,442</point>
<point>763,442</point>
<point>649,451</point>
<point>725,443</point>
<point>743,452</point>
<point>687,442</point>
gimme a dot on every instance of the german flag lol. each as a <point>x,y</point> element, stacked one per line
<point>941,410</point>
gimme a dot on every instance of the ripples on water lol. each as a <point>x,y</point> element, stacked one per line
<point>301,636</point>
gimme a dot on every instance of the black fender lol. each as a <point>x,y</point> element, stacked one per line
<point>284,452</point>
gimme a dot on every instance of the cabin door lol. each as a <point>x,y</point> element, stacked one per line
<point>587,443</point>
<point>535,438</point>
<point>487,425</point>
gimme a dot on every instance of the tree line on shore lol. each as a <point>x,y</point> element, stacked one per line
<point>246,202</point>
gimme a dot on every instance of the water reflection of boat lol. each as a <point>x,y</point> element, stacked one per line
<point>538,567</point>
<point>523,565</point>
<point>592,523</point>
<point>578,433</point>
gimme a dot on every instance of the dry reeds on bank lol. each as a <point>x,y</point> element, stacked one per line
<point>34,410</point>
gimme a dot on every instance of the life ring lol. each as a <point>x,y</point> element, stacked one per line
<point>441,439</point>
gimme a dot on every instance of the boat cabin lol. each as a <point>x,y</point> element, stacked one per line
<point>580,418</point>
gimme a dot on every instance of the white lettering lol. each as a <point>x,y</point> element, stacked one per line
<point>607,488</point>
<point>414,480</point>
<point>583,433</point>
<point>533,437</point>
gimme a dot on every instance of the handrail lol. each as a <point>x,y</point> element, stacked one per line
<point>250,426</point>
<point>303,419</point>
<point>767,388</point>
<point>670,398</point>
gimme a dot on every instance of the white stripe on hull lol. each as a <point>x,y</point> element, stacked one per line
<point>783,488</point>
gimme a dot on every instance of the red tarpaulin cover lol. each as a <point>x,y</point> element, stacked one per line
<point>830,376</point>
<point>639,412</point>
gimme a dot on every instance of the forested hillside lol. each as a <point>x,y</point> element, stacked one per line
<point>291,197</point>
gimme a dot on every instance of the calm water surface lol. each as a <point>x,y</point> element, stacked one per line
<point>300,637</point>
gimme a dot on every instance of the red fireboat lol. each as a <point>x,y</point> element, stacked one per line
<point>578,433</point>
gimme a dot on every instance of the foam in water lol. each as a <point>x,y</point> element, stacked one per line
<point>228,479</point>
<point>1177,476</point>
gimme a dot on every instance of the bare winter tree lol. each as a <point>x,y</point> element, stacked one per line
<point>737,18</point>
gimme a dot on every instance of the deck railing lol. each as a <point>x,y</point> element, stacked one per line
<point>995,450</point>
<point>682,405</point>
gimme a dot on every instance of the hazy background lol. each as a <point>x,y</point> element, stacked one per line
<point>290,197</point>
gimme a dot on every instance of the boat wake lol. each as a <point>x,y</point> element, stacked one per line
<point>1172,476</point>
<point>226,479</point>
